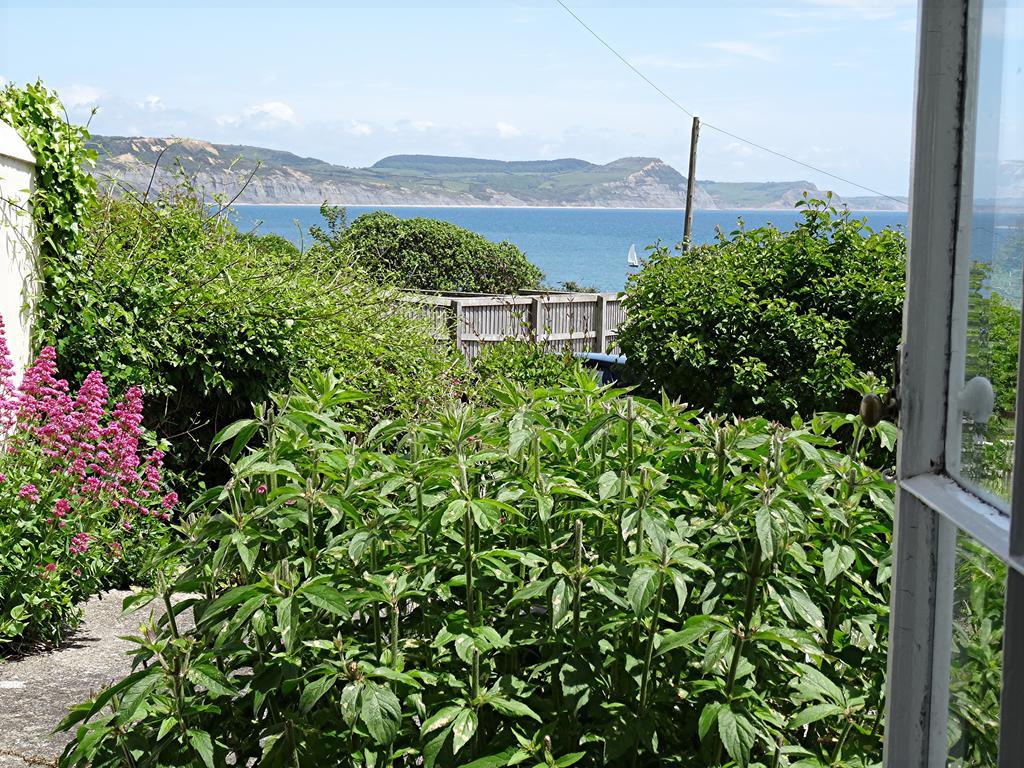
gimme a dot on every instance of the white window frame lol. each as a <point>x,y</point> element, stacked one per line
<point>931,506</point>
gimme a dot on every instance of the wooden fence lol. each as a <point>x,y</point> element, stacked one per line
<point>585,322</point>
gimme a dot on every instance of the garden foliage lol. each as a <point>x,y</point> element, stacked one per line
<point>572,577</point>
<point>81,501</point>
<point>436,255</point>
<point>767,322</point>
<point>172,298</point>
<point>163,291</point>
<point>523,362</point>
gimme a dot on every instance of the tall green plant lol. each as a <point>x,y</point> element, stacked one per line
<point>571,577</point>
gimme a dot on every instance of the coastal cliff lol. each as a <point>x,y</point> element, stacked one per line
<point>265,176</point>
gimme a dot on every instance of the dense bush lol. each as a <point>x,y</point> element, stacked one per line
<point>574,577</point>
<point>766,322</point>
<point>522,362</point>
<point>436,255</point>
<point>207,321</point>
<point>81,500</point>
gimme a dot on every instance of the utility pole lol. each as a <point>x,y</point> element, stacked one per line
<point>691,183</point>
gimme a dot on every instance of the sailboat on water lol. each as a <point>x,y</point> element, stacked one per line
<point>631,258</point>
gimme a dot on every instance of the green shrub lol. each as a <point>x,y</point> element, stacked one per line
<point>436,255</point>
<point>766,322</point>
<point>82,506</point>
<point>573,577</point>
<point>523,363</point>
<point>207,321</point>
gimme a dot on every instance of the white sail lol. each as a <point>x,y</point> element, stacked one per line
<point>632,259</point>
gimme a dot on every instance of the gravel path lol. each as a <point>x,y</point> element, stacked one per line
<point>36,690</point>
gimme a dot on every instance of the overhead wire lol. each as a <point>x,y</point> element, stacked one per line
<point>713,127</point>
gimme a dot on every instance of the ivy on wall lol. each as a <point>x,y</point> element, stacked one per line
<point>64,187</point>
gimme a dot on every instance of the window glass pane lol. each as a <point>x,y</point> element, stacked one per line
<point>996,243</point>
<point>977,657</point>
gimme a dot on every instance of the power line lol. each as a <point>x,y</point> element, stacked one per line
<point>722,131</point>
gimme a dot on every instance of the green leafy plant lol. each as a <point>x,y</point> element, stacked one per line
<point>766,322</point>
<point>64,187</point>
<point>436,255</point>
<point>522,362</point>
<point>572,576</point>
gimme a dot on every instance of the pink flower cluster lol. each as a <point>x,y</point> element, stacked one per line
<point>91,453</point>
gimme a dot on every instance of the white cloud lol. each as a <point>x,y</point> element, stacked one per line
<point>270,114</point>
<point>507,130</point>
<point>151,104</point>
<point>80,95</point>
<point>421,125</point>
<point>746,49</point>
<point>738,148</point>
<point>360,129</point>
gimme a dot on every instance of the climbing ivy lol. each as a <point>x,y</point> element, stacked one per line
<point>64,187</point>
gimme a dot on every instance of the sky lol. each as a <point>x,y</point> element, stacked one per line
<point>828,82</point>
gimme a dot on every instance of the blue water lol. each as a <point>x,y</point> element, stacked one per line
<point>588,245</point>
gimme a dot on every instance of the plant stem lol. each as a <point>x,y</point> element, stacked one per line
<point>376,606</point>
<point>579,583</point>
<point>842,741</point>
<point>467,545</point>
<point>737,651</point>
<point>394,634</point>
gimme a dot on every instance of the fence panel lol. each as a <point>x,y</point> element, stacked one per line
<point>585,322</point>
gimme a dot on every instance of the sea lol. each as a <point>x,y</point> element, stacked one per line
<point>586,245</point>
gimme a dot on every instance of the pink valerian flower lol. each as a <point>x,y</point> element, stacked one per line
<point>50,567</point>
<point>169,500</point>
<point>79,543</point>
<point>3,477</point>
<point>261,488</point>
<point>61,508</point>
<point>29,491</point>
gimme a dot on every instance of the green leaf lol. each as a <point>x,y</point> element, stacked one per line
<point>202,744</point>
<point>642,586</point>
<point>497,760</point>
<point>737,735</point>
<point>512,707</point>
<point>440,719</point>
<point>607,485</point>
<point>814,713</point>
<point>326,597</point>
<point>708,717</point>
<point>561,601</point>
<point>380,712</point>
<point>313,692</point>
<point>765,534</point>
<point>695,628</point>
<point>212,679</point>
<point>463,729</point>
<point>837,559</point>
<point>802,605</point>
<point>569,759</point>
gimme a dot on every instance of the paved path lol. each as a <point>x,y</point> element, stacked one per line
<point>36,690</point>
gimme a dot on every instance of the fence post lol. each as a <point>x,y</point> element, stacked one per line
<point>457,323</point>
<point>18,246</point>
<point>600,323</point>
<point>536,317</point>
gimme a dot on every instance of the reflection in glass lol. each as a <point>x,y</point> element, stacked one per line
<point>996,246</point>
<point>977,659</point>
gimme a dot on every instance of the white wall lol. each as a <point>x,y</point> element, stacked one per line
<point>18,247</point>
